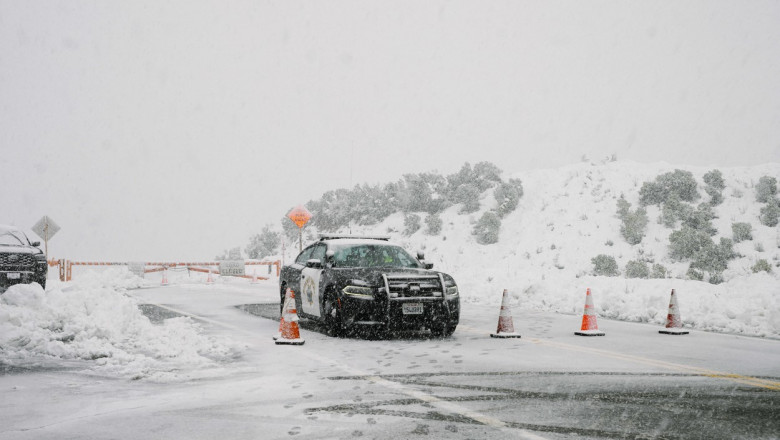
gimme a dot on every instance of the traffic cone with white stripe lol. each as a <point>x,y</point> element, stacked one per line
<point>210,279</point>
<point>589,325</point>
<point>290,334</point>
<point>674,324</point>
<point>506,328</point>
<point>164,281</point>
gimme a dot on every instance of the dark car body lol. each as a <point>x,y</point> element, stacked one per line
<point>367,283</point>
<point>20,260</point>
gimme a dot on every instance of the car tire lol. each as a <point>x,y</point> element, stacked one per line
<point>444,331</point>
<point>334,324</point>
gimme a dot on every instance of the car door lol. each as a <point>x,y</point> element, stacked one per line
<point>293,275</point>
<point>310,282</point>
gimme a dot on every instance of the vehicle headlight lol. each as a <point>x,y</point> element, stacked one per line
<point>450,288</point>
<point>359,291</point>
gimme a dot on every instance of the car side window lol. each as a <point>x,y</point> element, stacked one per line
<point>304,256</point>
<point>318,253</point>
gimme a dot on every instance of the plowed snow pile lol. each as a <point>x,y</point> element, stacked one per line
<point>94,324</point>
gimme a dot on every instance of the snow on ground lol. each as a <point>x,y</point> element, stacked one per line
<point>92,323</point>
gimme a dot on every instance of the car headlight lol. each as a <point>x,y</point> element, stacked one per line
<point>450,288</point>
<point>358,291</point>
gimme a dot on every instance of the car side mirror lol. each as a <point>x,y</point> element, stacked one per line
<point>36,243</point>
<point>427,265</point>
<point>314,263</point>
<point>329,258</point>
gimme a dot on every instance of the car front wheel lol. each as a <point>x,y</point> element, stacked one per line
<point>444,331</point>
<point>332,313</point>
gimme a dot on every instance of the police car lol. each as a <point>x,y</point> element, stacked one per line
<point>351,283</point>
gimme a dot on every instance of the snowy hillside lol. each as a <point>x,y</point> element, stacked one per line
<point>567,216</point>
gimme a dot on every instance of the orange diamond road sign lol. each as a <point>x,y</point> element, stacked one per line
<point>299,215</point>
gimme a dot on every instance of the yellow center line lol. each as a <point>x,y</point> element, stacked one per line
<point>732,377</point>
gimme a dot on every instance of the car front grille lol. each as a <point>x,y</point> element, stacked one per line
<point>424,286</point>
<point>11,262</point>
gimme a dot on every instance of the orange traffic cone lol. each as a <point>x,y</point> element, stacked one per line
<point>210,279</point>
<point>506,328</point>
<point>589,325</point>
<point>674,324</point>
<point>290,335</point>
<point>164,278</point>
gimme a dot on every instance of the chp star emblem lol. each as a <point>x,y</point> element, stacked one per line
<point>308,290</point>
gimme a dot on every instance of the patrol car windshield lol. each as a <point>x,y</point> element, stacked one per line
<point>373,256</point>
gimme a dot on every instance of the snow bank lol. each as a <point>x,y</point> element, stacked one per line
<point>96,325</point>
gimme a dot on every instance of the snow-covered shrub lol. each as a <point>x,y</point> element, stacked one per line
<point>263,244</point>
<point>230,254</point>
<point>687,242</point>
<point>694,274</point>
<point>677,182</point>
<point>714,186</point>
<point>741,232</point>
<point>700,219</point>
<point>637,269</point>
<point>716,197</point>
<point>634,222</point>
<point>468,196</point>
<point>715,258</point>
<point>507,195</point>
<point>652,193</point>
<point>659,271</point>
<point>716,278</point>
<point>766,189</point>
<point>762,265</point>
<point>714,178</point>
<point>770,214</point>
<point>433,224</point>
<point>411,224</point>
<point>605,265</point>
<point>674,210</point>
<point>487,228</point>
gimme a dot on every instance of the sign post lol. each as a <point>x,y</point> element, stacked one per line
<point>46,228</point>
<point>300,216</point>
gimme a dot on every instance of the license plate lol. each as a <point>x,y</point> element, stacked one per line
<point>412,308</point>
<point>13,275</point>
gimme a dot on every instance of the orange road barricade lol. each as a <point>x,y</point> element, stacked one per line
<point>66,267</point>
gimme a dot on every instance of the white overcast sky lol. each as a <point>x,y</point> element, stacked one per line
<point>176,129</point>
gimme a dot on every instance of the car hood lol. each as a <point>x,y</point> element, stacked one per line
<point>19,249</point>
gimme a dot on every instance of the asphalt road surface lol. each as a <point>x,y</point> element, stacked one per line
<point>632,383</point>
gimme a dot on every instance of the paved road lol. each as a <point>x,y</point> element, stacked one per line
<point>632,383</point>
